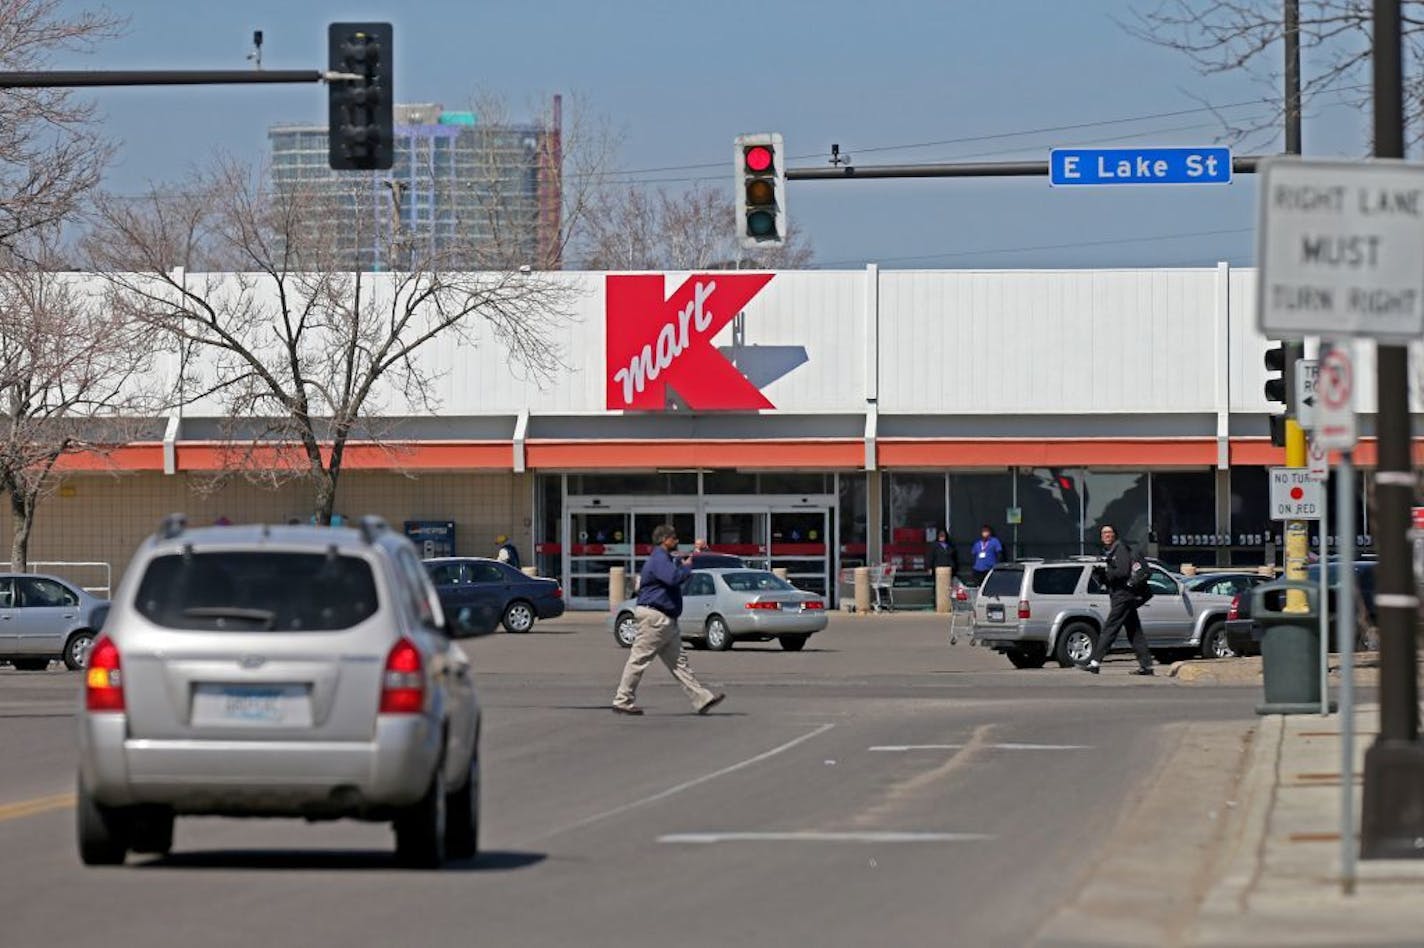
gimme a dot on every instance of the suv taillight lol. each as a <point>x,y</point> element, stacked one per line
<point>103,678</point>
<point>1024,611</point>
<point>403,683</point>
<point>1234,612</point>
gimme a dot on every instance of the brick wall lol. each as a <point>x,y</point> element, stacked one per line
<point>103,518</point>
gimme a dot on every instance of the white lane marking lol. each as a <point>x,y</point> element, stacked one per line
<point>904,748</point>
<point>689,784</point>
<point>812,837</point>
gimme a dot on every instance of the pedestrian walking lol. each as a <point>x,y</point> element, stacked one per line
<point>658,607</point>
<point>987,552</point>
<point>1123,602</point>
<point>508,552</point>
<point>942,553</point>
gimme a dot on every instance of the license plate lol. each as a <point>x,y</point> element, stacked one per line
<point>239,705</point>
<point>995,612</point>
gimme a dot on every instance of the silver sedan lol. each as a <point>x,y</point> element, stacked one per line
<point>723,606</point>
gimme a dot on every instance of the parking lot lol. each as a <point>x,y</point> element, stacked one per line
<point>879,786</point>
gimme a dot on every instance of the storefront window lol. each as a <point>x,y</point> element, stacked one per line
<point>643,485</point>
<point>549,524</point>
<point>853,518</point>
<point>1115,497</point>
<point>977,499</point>
<point>1184,516</point>
<point>914,506</point>
<point>729,482</point>
<point>794,483</point>
<point>1051,500</point>
<point>1251,524</point>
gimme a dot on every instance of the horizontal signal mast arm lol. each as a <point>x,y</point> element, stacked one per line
<point>159,77</point>
<point>1246,164</point>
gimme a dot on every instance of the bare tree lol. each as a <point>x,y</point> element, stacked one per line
<point>69,371</point>
<point>1226,36</point>
<point>303,355</point>
<point>631,229</point>
<point>50,154</point>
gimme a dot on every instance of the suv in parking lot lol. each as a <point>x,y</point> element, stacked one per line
<point>294,671</point>
<point>1033,611</point>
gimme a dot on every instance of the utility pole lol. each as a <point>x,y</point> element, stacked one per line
<point>1297,538</point>
<point>1392,823</point>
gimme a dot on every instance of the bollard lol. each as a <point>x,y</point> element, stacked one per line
<point>1189,569</point>
<point>781,573</point>
<point>617,577</point>
<point>532,571</point>
<point>862,590</point>
<point>943,589</point>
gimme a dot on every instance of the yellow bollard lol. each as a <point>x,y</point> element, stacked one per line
<point>1189,569</point>
<point>617,579</point>
<point>862,590</point>
<point>532,571</point>
<point>781,573</point>
<point>943,584</point>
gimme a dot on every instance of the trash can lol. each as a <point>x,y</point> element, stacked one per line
<point>1290,648</point>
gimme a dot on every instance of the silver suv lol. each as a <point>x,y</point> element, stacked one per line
<point>1033,611</point>
<point>278,671</point>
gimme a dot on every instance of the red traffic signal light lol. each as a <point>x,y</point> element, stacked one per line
<point>759,158</point>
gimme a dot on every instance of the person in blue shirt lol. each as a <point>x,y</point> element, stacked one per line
<point>987,552</point>
<point>657,610</point>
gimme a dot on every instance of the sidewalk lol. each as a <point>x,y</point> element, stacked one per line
<point>1234,841</point>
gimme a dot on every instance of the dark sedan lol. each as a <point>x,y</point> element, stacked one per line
<point>1244,636</point>
<point>479,593</point>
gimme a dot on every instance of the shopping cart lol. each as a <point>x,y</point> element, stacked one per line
<point>882,587</point>
<point>961,611</point>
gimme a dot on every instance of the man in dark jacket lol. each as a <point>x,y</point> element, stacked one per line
<point>659,605</point>
<point>1117,559</point>
<point>942,553</point>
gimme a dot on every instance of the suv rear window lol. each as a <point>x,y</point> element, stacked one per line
<point>259,591</point>
<point>1056,580</point>
<point>1003,582</point>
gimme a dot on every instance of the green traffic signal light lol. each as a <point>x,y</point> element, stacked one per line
<point>761,224</point>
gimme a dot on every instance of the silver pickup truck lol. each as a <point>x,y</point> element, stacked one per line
<point>1033,611</point>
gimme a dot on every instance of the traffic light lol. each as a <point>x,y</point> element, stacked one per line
<point>361,118</point>
<point>760,176</point>
<point>1276,390</point>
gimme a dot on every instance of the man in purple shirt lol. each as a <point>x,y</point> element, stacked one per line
<point>659,605</point>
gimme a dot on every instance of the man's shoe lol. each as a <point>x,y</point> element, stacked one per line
<point>1091,668</point>
<point>711,703</point>
<point>1142,671</point>
<point>632,710</point>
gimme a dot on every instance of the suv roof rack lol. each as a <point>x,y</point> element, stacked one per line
<point>173,525</point>
<point>372,527</point>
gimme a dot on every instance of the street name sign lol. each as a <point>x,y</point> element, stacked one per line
<point>1335,400</point>
<point>1295,495</point>
<point>1306,371</point>
<point>1340,245</point>
<point>1105,166</point>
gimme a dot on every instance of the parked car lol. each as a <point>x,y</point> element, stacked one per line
<point>1244,636</point>
<point>43,618</point>
<point>1031,612</point>
<point>1226,584</point>
<point>479,592</point>
<point>723,606</point>
<point>292,671</point>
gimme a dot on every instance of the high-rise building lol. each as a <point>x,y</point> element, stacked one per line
<point>469,195</point>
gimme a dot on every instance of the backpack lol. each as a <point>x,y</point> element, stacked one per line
<point>1137,580</point>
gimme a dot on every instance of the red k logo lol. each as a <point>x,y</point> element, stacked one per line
<point>656,341</point>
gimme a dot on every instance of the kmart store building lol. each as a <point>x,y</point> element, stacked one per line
<point>812,420</point>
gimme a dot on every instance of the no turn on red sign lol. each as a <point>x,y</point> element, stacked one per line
<point>1295,495</point>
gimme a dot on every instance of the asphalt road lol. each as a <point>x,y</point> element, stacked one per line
<point>880,787</point>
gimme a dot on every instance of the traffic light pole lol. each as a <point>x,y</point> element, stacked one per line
<point>1297,539</point>
<point>1392,821</point>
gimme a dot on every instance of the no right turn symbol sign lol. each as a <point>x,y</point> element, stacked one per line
<point>1335,396</point>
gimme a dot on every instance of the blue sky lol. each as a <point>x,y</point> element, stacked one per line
<point>680,80</point>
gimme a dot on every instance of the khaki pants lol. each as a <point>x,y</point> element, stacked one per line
<point>658,637</point>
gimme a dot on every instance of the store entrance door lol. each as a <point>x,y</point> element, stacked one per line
<point>617,533</point>
<point>785,534</point>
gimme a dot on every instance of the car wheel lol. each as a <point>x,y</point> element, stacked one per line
<point>103,831</point>
<point>1028,657</point>
<point>462,831</point>
<point>793,643</point>
<point>1075,644</point>
<point>518,616</point>
<point>420,827</point>
<point>1214,643</point>
<point>719,637</point>
<point>76,650</point>
<point>625,629</point>
<point>30,664</point>
<point>152,832</point>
